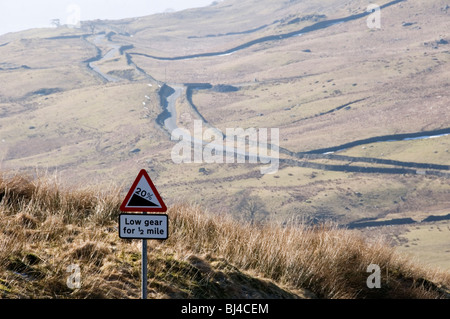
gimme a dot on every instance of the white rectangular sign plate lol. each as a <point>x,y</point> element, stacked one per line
<point>133,226</point>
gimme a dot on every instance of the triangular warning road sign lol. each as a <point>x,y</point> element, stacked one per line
<point>143,196</point>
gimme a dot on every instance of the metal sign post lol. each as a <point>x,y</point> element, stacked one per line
<point>144,267</point>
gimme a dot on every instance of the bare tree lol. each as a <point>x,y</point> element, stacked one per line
<point>56,22</point>
<point>90,25</point>
<point>252,209</point>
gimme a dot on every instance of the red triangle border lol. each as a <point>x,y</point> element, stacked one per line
<point>161,209</point>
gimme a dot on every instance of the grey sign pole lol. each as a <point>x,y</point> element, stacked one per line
<point>144,267</point>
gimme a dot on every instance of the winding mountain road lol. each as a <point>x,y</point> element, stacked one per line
<point>311,28</point>
<point>168,118</point>
<point>114,50</point>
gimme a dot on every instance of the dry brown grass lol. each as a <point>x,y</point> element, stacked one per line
<point>44,229</point>
<point>329,261</point>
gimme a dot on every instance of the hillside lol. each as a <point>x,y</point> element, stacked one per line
<point>363,113</point>
<point>45,228</point>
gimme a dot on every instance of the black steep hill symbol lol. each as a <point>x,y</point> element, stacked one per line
<point>137,201</point>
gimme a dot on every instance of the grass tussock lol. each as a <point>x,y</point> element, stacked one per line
<point>44,230</point>
<point>329,261</point>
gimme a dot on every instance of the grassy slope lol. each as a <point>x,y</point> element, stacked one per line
<point>45,228</point>
<point>83,128</point>
<point>83,124</point>
<point>86,131</point>
<point>348,62</point>
<point>426,241</point>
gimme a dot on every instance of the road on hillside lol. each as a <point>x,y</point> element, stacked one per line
<point>170,124</point>
<point>171,116</point>
<point>114,50</point>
